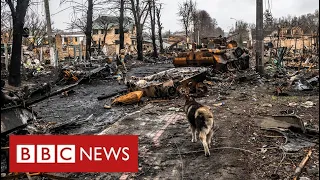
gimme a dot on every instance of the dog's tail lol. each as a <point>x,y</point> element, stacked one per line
<point>204,113</point>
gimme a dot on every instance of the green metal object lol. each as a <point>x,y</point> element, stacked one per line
<point>280,54</point>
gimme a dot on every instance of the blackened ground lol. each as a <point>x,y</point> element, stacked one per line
<point>84,111</point>
<point>235,152</point>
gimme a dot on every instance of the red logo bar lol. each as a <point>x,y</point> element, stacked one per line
<point>73,153</point>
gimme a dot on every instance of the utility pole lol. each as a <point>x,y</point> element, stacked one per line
<point>259,36</point>
<point>49,32</point>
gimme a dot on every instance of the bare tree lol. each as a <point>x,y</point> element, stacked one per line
<point>36,25</point>
<point>140,13</point>
<point>119,7</point>
<point>241,30</point>
<point>204,24</point>
<point>106,25</point>
<point>218,32</point>
<point>6,22</point>
<point>89,29</point>
<point>18,12</point>
<point>121,27</point>
<point>158,11</point>
<point>152,13</point>
<point>186,12</point>
<point>85,25</point>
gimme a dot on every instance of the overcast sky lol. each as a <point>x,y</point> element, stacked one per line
<point>221,10</point>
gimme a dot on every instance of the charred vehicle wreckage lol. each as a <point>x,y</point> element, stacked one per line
<point>217,52</point>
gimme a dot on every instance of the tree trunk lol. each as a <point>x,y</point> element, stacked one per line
<point>89,29</point>
<point>121,28</point>
<point>137,14</point>
<point>105,35</point>
<point>194,30</point>
<point>317,43</point>
<point>15,64</point>
<point>187,37</point>
<point>153,27</point>
<point>139,43</point>
<point>18,22</point>
<point>160,29</point>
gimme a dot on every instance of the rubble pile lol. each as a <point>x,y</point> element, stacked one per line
<point>246,105</point>
<point>165,84</point>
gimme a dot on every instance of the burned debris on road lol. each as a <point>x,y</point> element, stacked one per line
<point>259,107</point>
<point>251,118</point>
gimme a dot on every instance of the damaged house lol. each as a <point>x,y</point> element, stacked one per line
<point>105,34</point>
<point>70,44</point>
<point>294,37</point>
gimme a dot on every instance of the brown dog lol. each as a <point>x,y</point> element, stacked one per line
<point>201,120</point>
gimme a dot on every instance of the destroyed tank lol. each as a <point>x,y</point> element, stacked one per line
<point>215,52</point>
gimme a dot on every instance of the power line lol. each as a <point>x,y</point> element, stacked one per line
<point>60,11</point>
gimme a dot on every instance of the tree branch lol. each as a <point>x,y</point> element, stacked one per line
<point>11,6</point>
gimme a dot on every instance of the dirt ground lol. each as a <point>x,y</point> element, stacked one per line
<point>165,147</point>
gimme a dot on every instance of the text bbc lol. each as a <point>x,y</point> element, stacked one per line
<point>67,153</point>
<point>73,153</point>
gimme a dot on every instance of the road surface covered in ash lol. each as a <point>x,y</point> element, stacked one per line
<point>240,149</point>
<point>82,112</point>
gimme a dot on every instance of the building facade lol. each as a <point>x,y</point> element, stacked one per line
<point>105,31</point>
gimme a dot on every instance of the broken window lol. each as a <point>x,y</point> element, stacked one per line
<point>95,31</point>
<point>65,39</point>
<point>116,31</point>
<point>75,39</point>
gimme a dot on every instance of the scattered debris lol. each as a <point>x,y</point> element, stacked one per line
<point>107,107</point>
<point>67,93</point>
<point>174,109</point>
<point>227,81</point>
<point>130,98</point>
<point>298,170</point>
<point>220,54</point>
<point>219,104</point>
<point>308,104</point>
<point>296,141</point>
<point>15,118</point>
<point>293,104</point>
<point>166,83</point>
<point>292,128</point>
<point>283,122</point>
<point>267,105</point>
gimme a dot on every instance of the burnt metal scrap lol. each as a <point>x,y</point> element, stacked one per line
<point>15,118</point>
<point>71,74</point>
<point>216,52</point>
<point>165,84</point>
<point>293,129</point>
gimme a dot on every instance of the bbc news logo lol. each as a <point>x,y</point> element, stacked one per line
<point>46,153</point>
<point>73,153</point>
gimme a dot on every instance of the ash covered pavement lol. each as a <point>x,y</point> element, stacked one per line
<point>241,148</point>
